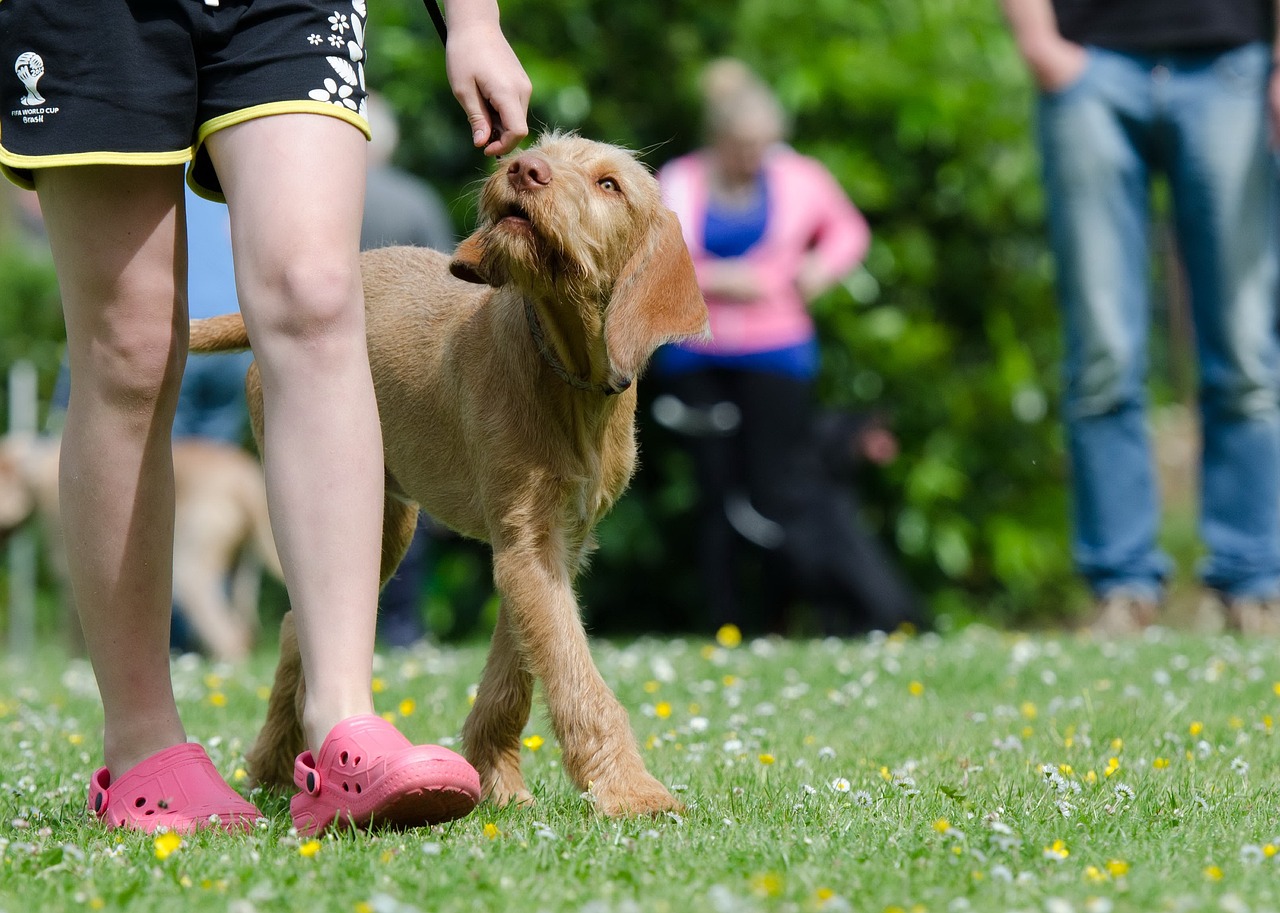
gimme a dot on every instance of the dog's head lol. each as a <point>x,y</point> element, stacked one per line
<point>578,221</point>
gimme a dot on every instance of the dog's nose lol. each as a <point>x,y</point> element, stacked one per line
<point>529,172</point>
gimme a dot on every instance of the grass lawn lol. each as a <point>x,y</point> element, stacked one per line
<point>973,771</point>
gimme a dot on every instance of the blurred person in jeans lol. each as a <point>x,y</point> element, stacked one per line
<point>769,230</point>
<point>1184,88</point>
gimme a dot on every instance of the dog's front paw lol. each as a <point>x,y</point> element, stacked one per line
<point>502,784</point>
<point>633,796</point>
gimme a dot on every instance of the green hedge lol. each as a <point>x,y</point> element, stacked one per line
<point>922,110</point>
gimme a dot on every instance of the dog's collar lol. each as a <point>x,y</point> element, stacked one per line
<point>553,360</point>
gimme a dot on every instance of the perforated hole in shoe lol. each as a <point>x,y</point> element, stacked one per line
<point>139,802</point>
<point>342,758</point>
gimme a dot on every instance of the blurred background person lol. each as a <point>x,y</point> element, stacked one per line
<point>1184,88</point>
<point>769,230</point>
<point>401,208</point>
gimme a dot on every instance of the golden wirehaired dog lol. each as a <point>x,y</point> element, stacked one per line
<point>508,414</point>
<point>221,531</point>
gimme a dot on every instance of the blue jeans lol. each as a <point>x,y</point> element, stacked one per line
<point>1200,119</point>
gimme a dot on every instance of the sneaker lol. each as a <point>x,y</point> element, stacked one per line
<point>1122,613</point>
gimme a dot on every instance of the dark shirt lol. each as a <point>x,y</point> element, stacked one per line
<point>401,209</point>
<point>1165,25</point>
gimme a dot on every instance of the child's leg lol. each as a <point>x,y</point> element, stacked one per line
<point>118,241</point>
<point>295,185</point>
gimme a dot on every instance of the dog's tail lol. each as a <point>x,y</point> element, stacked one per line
<point>226,333</point>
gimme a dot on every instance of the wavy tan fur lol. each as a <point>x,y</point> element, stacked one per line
<point>482,432</point>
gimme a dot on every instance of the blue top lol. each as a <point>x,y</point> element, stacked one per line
<point>731,233</point>
<point>211,280</point>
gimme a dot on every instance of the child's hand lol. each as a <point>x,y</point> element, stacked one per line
<point>489,83</point>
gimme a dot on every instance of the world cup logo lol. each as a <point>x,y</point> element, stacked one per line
<point>30,67</point>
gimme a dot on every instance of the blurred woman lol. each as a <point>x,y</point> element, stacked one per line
<point>769,230</point>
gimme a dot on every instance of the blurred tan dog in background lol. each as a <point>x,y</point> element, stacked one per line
<point>508,414</point>
<point>221,533</point>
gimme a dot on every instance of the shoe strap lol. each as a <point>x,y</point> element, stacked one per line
<point>305,775</point>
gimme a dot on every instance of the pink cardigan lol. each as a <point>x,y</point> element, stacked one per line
<point>808,211</point>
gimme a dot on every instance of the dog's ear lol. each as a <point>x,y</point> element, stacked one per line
<point>468,263</point>
<point>655,300</point>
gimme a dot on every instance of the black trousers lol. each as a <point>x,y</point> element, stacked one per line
<point>826,556</point>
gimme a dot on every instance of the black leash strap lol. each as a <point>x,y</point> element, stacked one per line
<point>437,19</point>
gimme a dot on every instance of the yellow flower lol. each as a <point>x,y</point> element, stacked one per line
<point>1057,849</point>
<point>1276,689</point>
<point>915,689</point>
<point>822,895</point>
<point>1269,850</point>
<point>651,687</point>
<point>1117,867</point>
<point>1091,778</point>
<point>766,759</point>
<point>1160,763</point>
<point>942,825</point>
<point>218,699</point>
<point>533,742</point>
<point>388,716</point>
<point>213,681</point>
<point>263,692</point>
<point>1196,728</point>
<point>1113,764</point>
<point>1213,873</point>
<point>378,685</point>
<point>491,830</point>
<point>166,844</point>
<point>1094,874</point>
<point>1029,710</point>
<point>766,884</point>
<point>1065,769</point>
<point>1235,722</point>
<point>1117,744</point>
<point>728,636</point>
<point>240,775</point>
<point>75,738</point>
<point>407,706</point>
<point>707,651</point>
<point>662,710</point>
<point>364,907</point>
<point>729,681</point>
<point>97,903</point>
<point>309,849</point>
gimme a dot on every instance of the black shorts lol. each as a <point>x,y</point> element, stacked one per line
<point>145,82</point>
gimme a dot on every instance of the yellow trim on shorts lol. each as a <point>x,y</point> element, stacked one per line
<point>296,106</point>
<point>11,162</point>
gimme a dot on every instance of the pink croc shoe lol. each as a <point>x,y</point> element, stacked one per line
<point>368,773</point>
<point>178,788</point>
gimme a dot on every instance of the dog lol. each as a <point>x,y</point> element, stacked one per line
<point>221,533</point>
<point>505,380</point>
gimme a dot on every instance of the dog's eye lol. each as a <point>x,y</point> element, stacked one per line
<point>608,184</point>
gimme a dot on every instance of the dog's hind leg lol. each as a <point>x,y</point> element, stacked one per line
<point>492,731</point>
<point>280,741</point>
<point>399,520</point>
<point>600,751</point>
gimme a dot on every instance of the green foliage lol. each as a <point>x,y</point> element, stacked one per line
<point>922,112</point>
<point>30,317</point>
